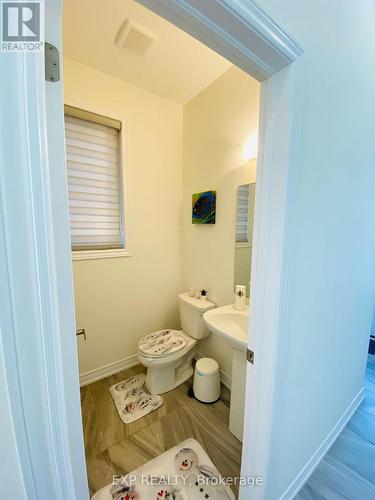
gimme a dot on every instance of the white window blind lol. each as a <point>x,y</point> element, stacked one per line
<point>94,181</point>
<point>243,208</point>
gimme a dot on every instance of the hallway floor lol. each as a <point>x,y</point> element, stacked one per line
<point>348,469</point>
<point>115,448</point>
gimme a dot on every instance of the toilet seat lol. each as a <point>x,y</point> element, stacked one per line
<point>169,359</point>
<point>163,343</point>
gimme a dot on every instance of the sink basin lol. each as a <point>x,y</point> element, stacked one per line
<point>229,324</point>
<point>232,326</point>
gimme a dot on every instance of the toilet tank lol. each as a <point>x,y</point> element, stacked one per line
<point>191,312</point>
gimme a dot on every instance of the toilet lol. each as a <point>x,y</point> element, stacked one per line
<point>168,354</point>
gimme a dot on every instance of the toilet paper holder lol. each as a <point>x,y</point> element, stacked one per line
<point>81,331</point>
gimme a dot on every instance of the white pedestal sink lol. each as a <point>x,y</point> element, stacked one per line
<point>232,326</point>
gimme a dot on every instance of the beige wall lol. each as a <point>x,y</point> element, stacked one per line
<point>216,125</point>
<point>119,300</point>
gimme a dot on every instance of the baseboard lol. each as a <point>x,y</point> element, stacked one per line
<point>314,461</point>
<point>118,366</point>
<point>107,370</point>
<point>225,379</point>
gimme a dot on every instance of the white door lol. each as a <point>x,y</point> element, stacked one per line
<point>43,442</point>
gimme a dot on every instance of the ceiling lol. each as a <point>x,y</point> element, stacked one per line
<point>177,67</point>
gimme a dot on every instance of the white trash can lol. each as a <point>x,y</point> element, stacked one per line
<point>206,385</point>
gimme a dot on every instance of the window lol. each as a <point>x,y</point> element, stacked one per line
<point>94,180</point>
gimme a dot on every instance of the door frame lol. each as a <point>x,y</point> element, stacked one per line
<point>39,340</point>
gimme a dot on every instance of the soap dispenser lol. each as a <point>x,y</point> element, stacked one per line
<point>240,297</point>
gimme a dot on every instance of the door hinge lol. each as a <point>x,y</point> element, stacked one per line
<point>51,63</point>
<point>250,356</point>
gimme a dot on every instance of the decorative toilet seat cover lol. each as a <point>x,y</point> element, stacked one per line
<point>162,343</point>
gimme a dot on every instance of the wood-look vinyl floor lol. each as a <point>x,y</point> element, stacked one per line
<point>113,447</point>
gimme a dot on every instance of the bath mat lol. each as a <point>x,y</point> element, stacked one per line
<point>185,472</point>
<point>131,399</point>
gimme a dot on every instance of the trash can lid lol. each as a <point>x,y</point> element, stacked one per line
<point>206,366</point>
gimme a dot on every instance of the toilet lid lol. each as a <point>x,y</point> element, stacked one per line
<point>162,343</point>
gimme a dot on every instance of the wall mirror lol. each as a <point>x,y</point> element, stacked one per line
<point>244,234</point>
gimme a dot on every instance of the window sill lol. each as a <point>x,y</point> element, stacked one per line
<point>243,245</point>
<point>100,254</point>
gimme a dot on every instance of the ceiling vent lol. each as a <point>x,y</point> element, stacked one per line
<point>135,39</point>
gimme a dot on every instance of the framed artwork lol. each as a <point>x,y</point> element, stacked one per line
<point>204,207</point>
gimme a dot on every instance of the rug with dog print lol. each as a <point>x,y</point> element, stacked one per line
<point>131,399</point>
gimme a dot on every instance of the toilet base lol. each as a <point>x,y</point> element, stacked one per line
<point>163,379</point>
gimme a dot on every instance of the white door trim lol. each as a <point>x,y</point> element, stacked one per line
<point>238,29</point>
<point>278,154</point>
<point>40,344</point>
<point>271,56</point>
<point>34,336</point>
